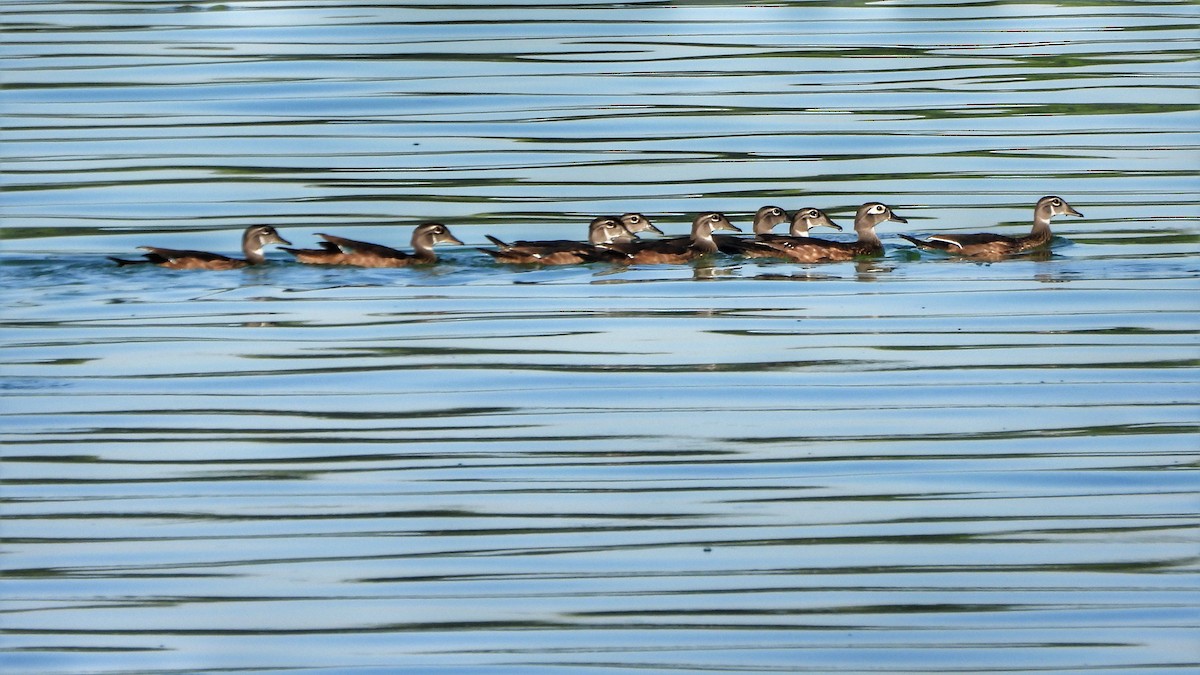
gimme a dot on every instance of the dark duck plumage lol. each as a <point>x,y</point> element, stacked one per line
<point>342,251</point>
<point>769,245</point>
<point>602,230</point>
<point>988,246</point>
<point>811,249</point>
<point>677,250</point>
<point>254,239</point>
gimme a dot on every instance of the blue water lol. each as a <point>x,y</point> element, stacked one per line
<point>909,464</point>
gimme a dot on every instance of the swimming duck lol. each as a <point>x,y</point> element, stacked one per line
<point>768,245</point>
<point>811,249</point>
<point>659,251</point>
<point>601,230</point>
<point>637,223</point>
<point>765,219</point>
<point>986,245</point>
<point>255,238</point>
<point>341,251</point>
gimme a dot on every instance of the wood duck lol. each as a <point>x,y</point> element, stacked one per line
<point>602,230</point>
<point>255,238</point>
<point>811,249</point>
<point>765,219</point>
<point>661,251</point>
<point>986,245</point>
<point>341,251</point>
<point>768,245</point>
<point>637,223</point>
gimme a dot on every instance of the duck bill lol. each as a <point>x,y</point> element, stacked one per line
<point>279,240</point>
<point>1072,212</point>
<point>898,219</point>
<point>451,239</point>
<point>727,226</point>
<point>655,230</point>
<point>831,225</point>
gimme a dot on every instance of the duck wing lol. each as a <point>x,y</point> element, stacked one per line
<point>351,245</point>
<point>734,245</point>
<point>812,249</point>
<point>543,247</point>
<point>172,255</point>
<point>786,242</point>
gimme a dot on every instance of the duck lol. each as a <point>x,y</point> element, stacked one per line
<point>986,245</point>
<point>342,251</point>
<point>677,250</point>
<point>602,230</point>
<point>765,220</point>
<point>769,245</point>
<point>254,239</point>
<point>811,249</point>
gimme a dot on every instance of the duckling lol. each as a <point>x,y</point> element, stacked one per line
<point>811,249</point>
<point>768,245</point>
<point>601,230</point>
<point>765,219</point>
<point>658,251</point>
<point>254,239</point>
<point>341,251</point>
<point>988,246</point>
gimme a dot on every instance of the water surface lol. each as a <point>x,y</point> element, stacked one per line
<point>910,464</point>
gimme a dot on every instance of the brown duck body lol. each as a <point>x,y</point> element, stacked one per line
<point>989,246</point>
<point>824,250</point>
<point>601,230</point>
<point>547,253</point>
<point>677,250</point>
<point>342,251</point>
<point>811,249</point>
<point>253,240</point>
<point>178,259</point>
<point>984,245</point>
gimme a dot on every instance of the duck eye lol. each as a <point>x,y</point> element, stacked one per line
<point>1057,202</point>
<point>634,219</point>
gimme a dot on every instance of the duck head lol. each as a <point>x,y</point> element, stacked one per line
<point>808,218</point>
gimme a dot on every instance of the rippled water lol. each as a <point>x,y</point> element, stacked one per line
<point>911,464</point>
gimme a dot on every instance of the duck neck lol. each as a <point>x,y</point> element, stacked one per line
<point>1041,228</point>
<point>763,226</point>
<point>702,240</point>
<point>867,237</point>
<point>423,250</point>
<point>254,254</point>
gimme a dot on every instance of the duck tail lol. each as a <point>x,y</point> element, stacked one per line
<point>122,262</point>
<point>496,241</point>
